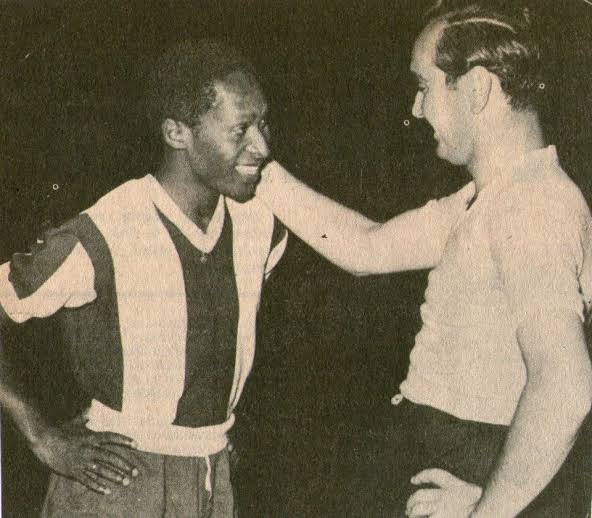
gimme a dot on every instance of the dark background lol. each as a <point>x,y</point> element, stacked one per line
<point>332,349</point>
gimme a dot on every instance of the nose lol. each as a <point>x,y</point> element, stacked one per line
<point>417,110</point>
<point>258,144</point>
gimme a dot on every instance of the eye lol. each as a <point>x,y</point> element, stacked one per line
<point>263,125</point>
<point>422,88</point>
<point>239,131</point>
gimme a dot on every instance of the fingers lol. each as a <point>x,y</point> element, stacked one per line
<point>108,473</point>
<point>92,481</point>
<point>423,495</point>
<point>115,438</point>
<point>423,502</point>
<point>435,476</point>
<point>421,509</point>
<point>113,462</point>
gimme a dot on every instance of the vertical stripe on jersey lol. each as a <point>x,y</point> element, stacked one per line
<point>150,301</point>
<point>92,331</point>
<point>212,317</point>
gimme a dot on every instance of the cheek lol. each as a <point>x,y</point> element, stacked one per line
<point>230,150</point>
<point>224,158</point>
<point>433,108</point>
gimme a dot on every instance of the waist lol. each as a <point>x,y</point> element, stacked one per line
<point>455,395</point>
<point>158,437</point>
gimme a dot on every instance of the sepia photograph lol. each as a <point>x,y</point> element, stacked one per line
<point>296,259</point>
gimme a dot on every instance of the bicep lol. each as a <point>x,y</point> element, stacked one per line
<point>413,240</point>
<point>554,339</point>
<point>557,362</point>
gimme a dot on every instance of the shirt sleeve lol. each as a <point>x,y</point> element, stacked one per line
<point>56,273</point>
<point>537,250</point>
<point>436,219</point>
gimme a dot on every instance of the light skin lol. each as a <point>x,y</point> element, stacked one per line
<point>474,126</point>
<point>557,394</point>
<point>221,156</point>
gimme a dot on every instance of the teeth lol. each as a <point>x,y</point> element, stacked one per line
<point>247,170</point>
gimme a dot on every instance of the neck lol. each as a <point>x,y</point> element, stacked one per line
<point>196,200</point>
<point>519,134</point>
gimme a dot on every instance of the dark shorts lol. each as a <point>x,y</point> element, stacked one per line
<point>167,487</point>
<point>418,437</point>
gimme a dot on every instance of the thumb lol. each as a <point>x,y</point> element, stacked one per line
<point>438,477</point>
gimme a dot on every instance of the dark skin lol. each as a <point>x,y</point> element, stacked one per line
<point>222,156</point>
<point>71,449</point>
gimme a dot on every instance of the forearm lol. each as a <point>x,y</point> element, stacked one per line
<point>336,232</point>
<point>412,240</point>
<point>18,405</point>
<point>542,433</point>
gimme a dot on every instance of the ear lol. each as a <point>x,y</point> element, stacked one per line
<point>176,134</point>
<point>479,86</point>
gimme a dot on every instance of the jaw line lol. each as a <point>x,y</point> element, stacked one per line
<point>252,171</point>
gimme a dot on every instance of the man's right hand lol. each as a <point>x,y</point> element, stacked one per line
<point>74,451</point>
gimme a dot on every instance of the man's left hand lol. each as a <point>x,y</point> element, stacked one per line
<point>452,498</point>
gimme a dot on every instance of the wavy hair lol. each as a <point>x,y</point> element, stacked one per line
<point>500,40</point>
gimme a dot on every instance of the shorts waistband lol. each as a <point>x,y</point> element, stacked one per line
<point>162,438</point>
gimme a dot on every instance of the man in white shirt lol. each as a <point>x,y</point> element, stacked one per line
<point>500,380</point>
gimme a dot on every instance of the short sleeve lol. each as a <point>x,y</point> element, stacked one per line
<point>56,273</point>
<point>438,217</point>
<point>537,251</point>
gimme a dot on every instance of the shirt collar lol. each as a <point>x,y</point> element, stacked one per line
<point>204,241</point>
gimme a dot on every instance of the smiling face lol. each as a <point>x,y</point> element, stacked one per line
<point>445,107</point>
<point>232,139</point>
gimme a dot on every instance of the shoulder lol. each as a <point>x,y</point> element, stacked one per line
<point>547,207</point>
<point>131,196</point>
<point>457,200</point>
<point>31,269</point>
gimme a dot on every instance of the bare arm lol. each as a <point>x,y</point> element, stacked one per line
<point>537,248</point>
<point>71,450</point>
<point>553,405</point>
<point>413,240</point>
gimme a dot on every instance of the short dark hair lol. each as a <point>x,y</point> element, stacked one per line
<point>180,85</point>
<point>499,39</point>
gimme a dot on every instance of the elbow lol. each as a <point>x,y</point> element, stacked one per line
<point>569,395</point>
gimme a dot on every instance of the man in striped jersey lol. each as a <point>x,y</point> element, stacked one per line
<point>156,288</point>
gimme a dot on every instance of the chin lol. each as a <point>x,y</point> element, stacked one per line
<point>451,158</point>
<point>241,197</point>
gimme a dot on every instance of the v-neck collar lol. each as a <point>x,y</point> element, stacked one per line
<point>204,241</point>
